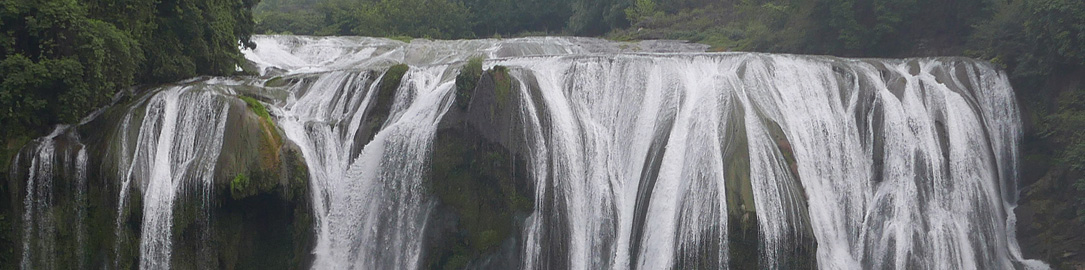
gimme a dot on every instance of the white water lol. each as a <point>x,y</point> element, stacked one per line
<point>54,166</point>
<point>80,168</point>
<point>370,206</point>
<point>306,54</point>
<point>178,135</point>
<point>37,220</point>
<point>925,211</point>
<point>612,114</point>
<point>898,164</point>
<point>607,110</point>
<point>369,216</point>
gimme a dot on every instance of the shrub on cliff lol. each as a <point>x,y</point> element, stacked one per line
<point>467,80</point>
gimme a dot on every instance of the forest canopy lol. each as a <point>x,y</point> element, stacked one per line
<point>59,59</point>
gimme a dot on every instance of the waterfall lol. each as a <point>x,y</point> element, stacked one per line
<point>178,145</point>
<point>889,163</point>
<point>645,155</point>
<point>57,169</point>
<point>377,188</point>
<point>37,221</point>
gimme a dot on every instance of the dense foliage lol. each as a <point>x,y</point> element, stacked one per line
<point>440,18</point>
<point>61,58</point>
<point>840,27</point>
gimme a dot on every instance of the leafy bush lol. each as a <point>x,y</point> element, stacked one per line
<point>302,22</point>
<point>1033,38</point>
<point>415,18</point>
<point>467,80</point>
<point>257,107</point>
<point>1064,126</point>
<point>60,59</point>
<point>239,185</point>
<point>641,10</point>
<point>445,19</point>
<point>1080,187</point>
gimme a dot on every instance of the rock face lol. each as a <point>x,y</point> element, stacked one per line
<point>237,194</point>
<point>1049,217</point>
<point>480,177</point>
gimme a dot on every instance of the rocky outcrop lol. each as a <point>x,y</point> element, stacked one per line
<point>259,213</point>
<point>256,211</point>
<point>1049,212</point>
<point>480,176</point>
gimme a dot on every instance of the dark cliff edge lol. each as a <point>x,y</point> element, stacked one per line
<point>1050,226</point>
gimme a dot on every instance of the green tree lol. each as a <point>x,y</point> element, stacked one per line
<point>641,10</point>
<point>1058,28</point>
<point>597,17</point>
<point>1033,38</point>
<point>61,58</point>
<point>862,27</point>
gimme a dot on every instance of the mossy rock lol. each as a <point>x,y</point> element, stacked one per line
<point>380,109</point>
<point>467,80</point>
<point>83,214</point>
<point>479,175</point>
<point>277,81</point>
<point>259,213</point>
<point>9,218</point>
<point>378,113</point>
<point>266,223</point>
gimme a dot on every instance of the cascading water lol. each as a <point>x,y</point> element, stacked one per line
<point>377,188</point>
<point>642,155</point>
<point>887,162</point>
<point>178,145</point>
<point>38,221</point>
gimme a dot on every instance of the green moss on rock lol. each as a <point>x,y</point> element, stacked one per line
<point>478,184</point>
<point>377,114</point>
<point>258,214</point>
<point>275,82</point>
<point>8,232</point>
<point>467,80</point>
<point>258,108</point>
<point>479,173</point>
<point>8,242</point>
<point>239,185</point>
<point>392,78</point>
<point>502,84</point>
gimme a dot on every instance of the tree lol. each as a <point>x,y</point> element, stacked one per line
<point>641,10</point>
<point>62,58</point>
<point>596,17</point>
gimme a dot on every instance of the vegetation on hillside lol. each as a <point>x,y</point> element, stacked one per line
<point>446,19</point>
<point>61,58</point>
